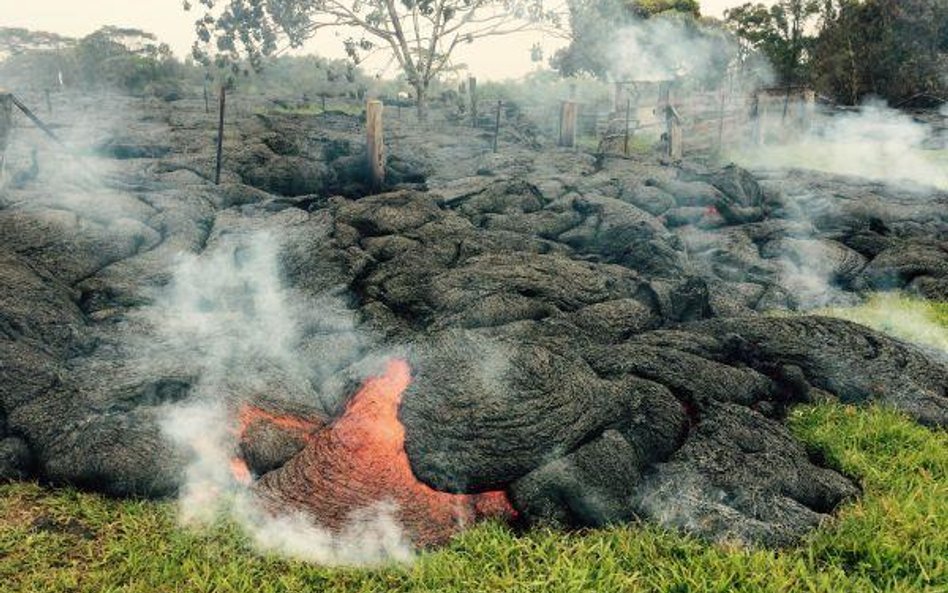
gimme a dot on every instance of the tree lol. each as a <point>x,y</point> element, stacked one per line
<point>422,35</point>
<point>895,49</point>
<point>129,59</point>
<point>648,8</point>
<point>33,57</point>
<point>15,41</point>
<point>840,50</point>
<point>779,32</point>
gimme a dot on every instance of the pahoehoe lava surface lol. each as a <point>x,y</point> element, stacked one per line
<point>586,337</point>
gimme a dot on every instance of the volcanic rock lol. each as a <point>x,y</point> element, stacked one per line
<point>576,341</point>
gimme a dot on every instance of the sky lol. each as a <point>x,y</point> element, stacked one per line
<point>496,59</point>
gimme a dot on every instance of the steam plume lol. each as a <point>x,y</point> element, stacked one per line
<point>229,312</point>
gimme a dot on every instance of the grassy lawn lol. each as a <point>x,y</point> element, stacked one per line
<point>914,320</point>
<point>894,538</point>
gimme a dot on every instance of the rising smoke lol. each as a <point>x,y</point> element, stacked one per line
<point>229,312</point>
<point>667,48</point>
<point>70,172</point>
<point>875,142</point>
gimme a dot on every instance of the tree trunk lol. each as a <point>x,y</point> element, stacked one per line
<point>421,101</point>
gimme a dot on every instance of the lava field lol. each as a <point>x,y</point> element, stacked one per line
<point>535,335</point>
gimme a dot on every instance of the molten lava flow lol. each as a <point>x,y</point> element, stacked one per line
<point>360,460</point>
<point>301,427</point>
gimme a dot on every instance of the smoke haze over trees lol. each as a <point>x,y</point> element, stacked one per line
<point>847,50</point>
<point>594,26</point>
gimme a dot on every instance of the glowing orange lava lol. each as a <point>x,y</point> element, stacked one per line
<point>240,471</point>
<point>360,460</point>
<point>249,415</point>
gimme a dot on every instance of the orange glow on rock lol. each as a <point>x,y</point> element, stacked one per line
<point>240,471</point>
<point>301,427</point>
<point>360,460</point>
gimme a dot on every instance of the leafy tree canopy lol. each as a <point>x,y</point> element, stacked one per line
<point>896,49</point>
<point>849,49</point>
<point>780,32</point>
<point>131,60</point>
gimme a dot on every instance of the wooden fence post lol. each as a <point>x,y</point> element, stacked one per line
<point>49,102</point>
<point>220,136</point>
<point>375,143</point>
<point>472,95</point>
<point>675,138</point>
<point>809,108</point>
<point>628,116</point>
<point>664,96</point>
<point>757,121</point>
<point>568,113</point>
<point>500,105</point>
<point>6,125</point>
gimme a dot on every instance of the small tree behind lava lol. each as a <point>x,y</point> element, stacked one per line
<point>422,35</point>
<point>15,41</point>
<point>129,59</point>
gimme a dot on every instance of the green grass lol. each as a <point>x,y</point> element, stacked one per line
<point>894,538</point>
<point>908,318</point>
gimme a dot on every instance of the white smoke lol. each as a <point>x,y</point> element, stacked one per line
<point>229,307</point>
<point>70,174</point>
<point>229,313</point>
<point>875,142</point>
<point>807,270</point>
<point>682,500</point>
<point>663,48</point>
<point>372,536</point>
